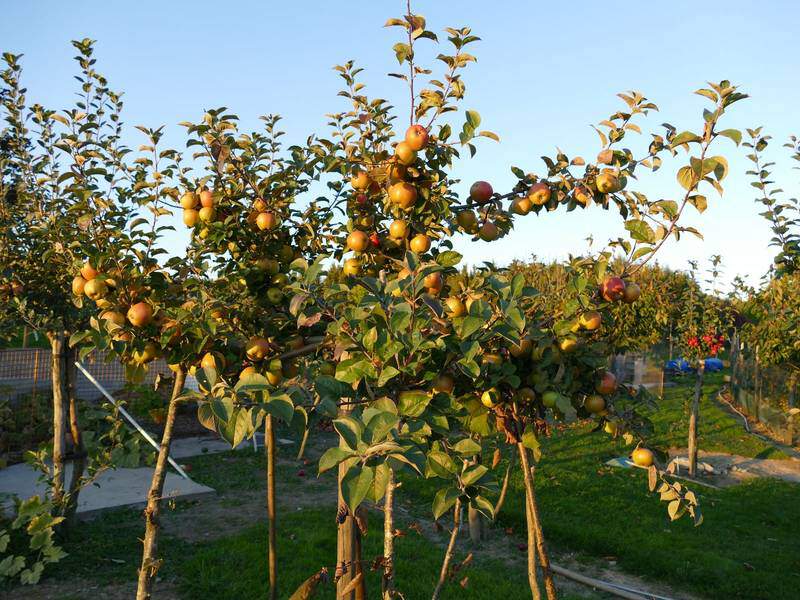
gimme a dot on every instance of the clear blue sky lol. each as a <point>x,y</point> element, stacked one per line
<point>545,72</point>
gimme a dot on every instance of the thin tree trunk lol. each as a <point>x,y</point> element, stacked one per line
<point>348,550</point>
<point>59,416</point>
<point>79,451</point>
<point>476,525</point>
<point>150,561</point>
<point>269,444</point>
<point>387,584</point>
<point>541,549</point>
<point>694,417</point>
<point>533,579</point>
<point>448,555</point>
<point>504,489</point>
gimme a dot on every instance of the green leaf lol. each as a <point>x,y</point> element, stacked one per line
<point>440,464</point>
<point>473,118</point>
<point>356,484</point>
<point>332,457</point>
<point>640,231</point>
<point>449,258</point>
<point>686,177</point>
<point>473,474</point>
<point>685,138</point>
<point>531,442</point>
<point>350,430</point>
<point>281,407</point>
<point>444,500</point>
<point>379,427</point>
<point>733,134</point>
<point>467,447</point>
<point>412,403</point>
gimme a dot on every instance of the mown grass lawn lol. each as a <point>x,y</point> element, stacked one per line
<point>747,548</point>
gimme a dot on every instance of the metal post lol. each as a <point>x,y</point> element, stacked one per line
<point>130,419</point>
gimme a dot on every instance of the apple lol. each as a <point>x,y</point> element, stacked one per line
<point>455,307</point>
<point>582,195</point>
<point>591,320</point>
<point>525,395</point>
<point>266,221</point>
<point>444,384</point>
<point>433,283</point>
<point>612,289</point>
<point>206,199</point>
<point>95,289</point>
<point>539,193</point>
<point>643,457</point>
<point>595,404</point>
<point>257,348</point>
<point>112,316</point>
<point>608,183</point>
<point>405,154</point>
<point>88,272</point>
<point>147,354</point>
<point>488,232</point>
<point>631,293</point>
<point>360,180</point>
<point>481,192</point>
<point>189,200</point>
<point>351,266</point>
<point>398,229</point>
<point>190,217</point>
<point>396,172</point>
<point>78,285</point>
<point>524,347</point>
<point>416,137</point>
<point>140,314</point>
<point>274,295</point>
<point>403,194</point>
<point>467,221</point>
<point>357,241</point>
<point>607,384</point>
<point>550,398</point>
<point>420,243</point>
<point>521,206</point>
<point>207,214</point>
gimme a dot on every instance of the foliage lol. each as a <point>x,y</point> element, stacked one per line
<point>32,530</point>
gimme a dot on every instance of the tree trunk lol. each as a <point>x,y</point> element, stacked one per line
<point>79,451</point>
<point>59,416</point>
<point>541,548</point>
<point>477,527</point>
<point>387,583</point>
<point>694,417</point>
<point>448,555</point>
<point>150,562</point>
<point>269,444</point>
<point>533,579</point>
<point>348,547</point>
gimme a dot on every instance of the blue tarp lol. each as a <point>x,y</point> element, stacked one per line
<point>681,366</point>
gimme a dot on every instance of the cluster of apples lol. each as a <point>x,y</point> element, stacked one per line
<point>198,207</point>
<point>364,240</point>
<point>481,194</point>
<point>262,358</point>
<point>121,317</point>
<point>616,289</point>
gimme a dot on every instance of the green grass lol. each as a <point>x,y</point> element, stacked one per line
<point>748,547</point>
<point>234,567</point>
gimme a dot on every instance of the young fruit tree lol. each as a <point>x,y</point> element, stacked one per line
<point>433,365</point>
<point>60,173</point>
